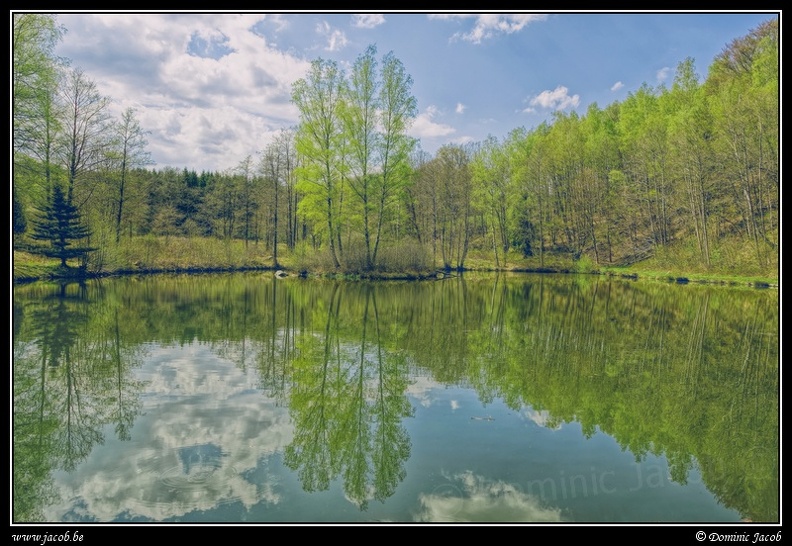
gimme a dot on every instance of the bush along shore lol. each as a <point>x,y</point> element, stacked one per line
<point>148,256</point>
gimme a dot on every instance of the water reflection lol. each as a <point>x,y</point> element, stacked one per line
<point>469,497</point>
<point>347,405</point>
<point>239,397</point>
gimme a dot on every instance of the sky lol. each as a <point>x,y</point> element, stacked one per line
<point>212,88</point>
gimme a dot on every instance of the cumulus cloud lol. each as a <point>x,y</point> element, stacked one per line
<point>278,21</point>
<point>662,74</point>
<point>336,39</point>
<point>196,80</point>
<point>460,108</point>
<point>616,86</point>
<point>367,20</point>
<point>196,458</point>
<point>470,497</point>
<point>488,25</point>
<point>421,389</point>
<point>424,125</point>
<point>541,418</point>
<point>557,99</point>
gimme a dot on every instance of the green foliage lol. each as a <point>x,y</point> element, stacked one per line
<point>585,264</point>
<point>34,79</point>
<point>60,225</point>
<point>405,256</point>
<point>308,258</point>
<point>353,142</point>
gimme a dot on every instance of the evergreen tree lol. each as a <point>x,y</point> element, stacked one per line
<point>19,220</point>
<point>59,223</point>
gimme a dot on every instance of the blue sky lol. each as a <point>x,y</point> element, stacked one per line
<point>212,88</point>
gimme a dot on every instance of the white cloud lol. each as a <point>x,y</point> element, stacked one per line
<point>425,127</point>
<point>336,39</point>
<point>662,74</point>
<point>462,140</point>
<point>279,21</point>
<point>557,99</point>
<point>203,113</point>
<point>460,108</point>
<point>367,20</point>
<point>422,389</point>
<point>616,86</point>
<point>541,418</point>
<point>469,497</point>
<point>194,458</point>
<point>489,25</point>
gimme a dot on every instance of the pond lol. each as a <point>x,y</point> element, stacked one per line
<point>483,398</point>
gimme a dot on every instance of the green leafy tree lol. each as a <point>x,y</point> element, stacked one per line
<point>455,204</point>
<point>320,142</point>
<point>399,109</point>
<point>35,117</point>
<point>85,141</point>
<point>60,225</point>
<point>129,152</point>
<point>743,89</point>
<point>360,122</point>
<point>491,177</point>
<point>34,78</point>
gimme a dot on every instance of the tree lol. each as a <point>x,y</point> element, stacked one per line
<point>360,117</point>
<point>353,135</point>
<point>491,176</point>
<point>451,168</point>
<point>277,168</point>
<point>35,109</point>
<point>60,225</point>
<point>643,131</point>
<point>398,110</point>
<point>530,211</point>
<point>743,89</point>
<point>320,142</point>
<point>18,215</point>
<point>130,152</point>
<point>288,155</point>
<point>85,127</point>
<point>246,191</point>
<point>690,135</point>
<point>34,75</point>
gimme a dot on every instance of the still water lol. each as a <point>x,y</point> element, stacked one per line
<point>520,398</point>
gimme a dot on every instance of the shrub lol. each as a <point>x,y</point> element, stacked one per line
<point>405,256</point>
<point>585,264</point>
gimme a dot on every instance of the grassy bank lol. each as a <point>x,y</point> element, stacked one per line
<point>144,255</point>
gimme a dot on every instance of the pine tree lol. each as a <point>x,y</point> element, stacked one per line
<point>18,218</point>
<point>59,223</point>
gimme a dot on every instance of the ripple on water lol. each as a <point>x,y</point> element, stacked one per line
<point>199,480</point>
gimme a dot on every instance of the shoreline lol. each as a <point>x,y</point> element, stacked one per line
<point>79,275</point>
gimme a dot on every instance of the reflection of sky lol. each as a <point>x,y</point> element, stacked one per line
<point>208,442</point>
<point>204,426</point>
<point>426,392</point>
<point>541,418</point>
<point>468,497</point>
<point>200,457</point>
<point>423,390</point>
